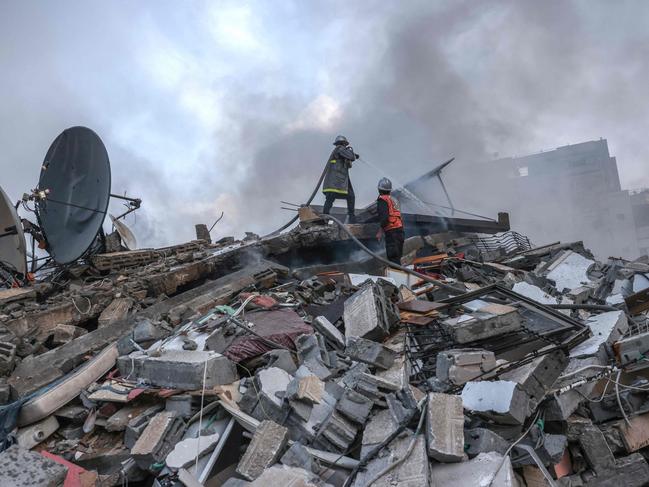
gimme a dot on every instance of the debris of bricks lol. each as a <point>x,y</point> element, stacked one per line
<point>253,362</point>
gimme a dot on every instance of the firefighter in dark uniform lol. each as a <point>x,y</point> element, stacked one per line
<point>391,221</point>
<point>337,184</point>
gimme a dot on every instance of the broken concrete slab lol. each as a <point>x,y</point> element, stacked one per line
<point>159,437</point>
<point>445,428</point>
<point>378,429</point>
<point>24,468</point>
<point>533,292</point>
<point>367,315</point>
<point>282,359</point>
<point>138,424</point>
<point>117,310</point>
<point>265,449</point>
<point>30,436</point>
<point>185,452</point>
<point>179,369</point>
<point>414,471</point>
<point>39,371</point>
<point>119,420</point>
<point>370,352</point>
<point>309,389</point>
<point>485,470</point>
<point>7,357</point>
<point>65,333</point>
<point>354,406</point>
<point>288,476</point>
<point>606,328</point>
<point>298,456</point>
<point>483,440</point>
<point>500,400</point>
<point>537,377</point>
<point>569,270</point>
<point>631,471</point>
<point>326,328</point>
<point>486,321</point>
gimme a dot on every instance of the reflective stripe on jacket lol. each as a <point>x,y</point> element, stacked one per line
<point>394,214</point>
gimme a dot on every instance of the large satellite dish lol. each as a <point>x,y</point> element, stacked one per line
<point>76,180</point>
<point>128,238</point>
<point>12,239</point>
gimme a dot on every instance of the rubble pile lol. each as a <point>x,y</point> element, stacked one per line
<point>215,364</point>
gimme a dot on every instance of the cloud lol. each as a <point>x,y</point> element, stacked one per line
<point>232,106</point>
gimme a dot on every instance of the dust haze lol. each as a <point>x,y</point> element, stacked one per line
<point>232,106</point>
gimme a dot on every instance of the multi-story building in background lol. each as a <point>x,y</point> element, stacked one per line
<point>574,193</point>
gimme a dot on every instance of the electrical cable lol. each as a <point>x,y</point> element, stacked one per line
<point>619,401</point>
<point>511,447</point>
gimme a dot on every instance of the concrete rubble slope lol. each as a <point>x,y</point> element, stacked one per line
<point>245,363</point>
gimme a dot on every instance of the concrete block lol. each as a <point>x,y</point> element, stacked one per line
<point>462,365</point>
<point>179,369</point>
<point>146,331</point>
<point>365,314</point>
<point>309,389</point>
<point>550,451</point>
<point>487,321</point>
<point>537,377</point>
<point>7,357</point>
<point>281,475</point>
<point>445,428</point>
<point>326,328</point>
<point>413,472</point>
<point>30,436</point>
<point>65,333</point>
<point>265,449</point>
<point>569,270</point>
<point>184,452</point>
<point>339,431</point>
<point>158,438</point>
<point>117,310</point>
<point>181,404</point>
<point>354,406</point>
<point>138,424</point>
<point>370,352</point>
<point>631,471</point>
<point>562,406</point>
<point>380,426</point>
<point>485,470</point>
<point>218,341</point>
<point>24,468</point>
<point>298,456</point>
<point>607,328</point>
<point>483,440</point>
<point>593,444</point>
<point>120,419</point>
<point>398,374</point>
<point>580,295</point>
<point>282,359</point>
<point>502,401</point>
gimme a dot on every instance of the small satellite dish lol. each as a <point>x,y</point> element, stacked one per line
<point>12,238</point>
<point>128,238</point>
<point>76,180</point>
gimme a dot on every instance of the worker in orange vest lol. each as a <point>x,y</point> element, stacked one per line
<point>391,221</point>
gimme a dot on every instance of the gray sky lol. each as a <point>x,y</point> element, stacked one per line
<point>232,106</point>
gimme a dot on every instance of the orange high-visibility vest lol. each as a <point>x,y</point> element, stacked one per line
<point>394,215</point>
